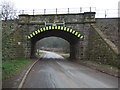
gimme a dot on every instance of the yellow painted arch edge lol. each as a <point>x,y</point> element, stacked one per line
<point>77,34</point>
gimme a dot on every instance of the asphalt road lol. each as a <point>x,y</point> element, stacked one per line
<point>55,72</point>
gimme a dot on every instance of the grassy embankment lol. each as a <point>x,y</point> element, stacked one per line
<point>10,68</point>
<point>102,65</point>
<point>66,55</point>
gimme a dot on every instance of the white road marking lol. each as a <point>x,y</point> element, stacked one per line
<point>71,73</point>
<point>66,70</point>
<point>58,63</point>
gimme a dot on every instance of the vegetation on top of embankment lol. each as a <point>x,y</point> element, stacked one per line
<point>11,67</point>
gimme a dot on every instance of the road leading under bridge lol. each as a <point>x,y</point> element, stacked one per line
<point>53,71</point>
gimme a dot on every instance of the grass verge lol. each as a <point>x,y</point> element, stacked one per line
<point>108,69</point>
<point>65,55</point>
<point>103,65</point>
<point>10,68</point>
<point>39,53</point>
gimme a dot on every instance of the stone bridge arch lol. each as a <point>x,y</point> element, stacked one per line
<point>76,25</point>
<point>70,35</point>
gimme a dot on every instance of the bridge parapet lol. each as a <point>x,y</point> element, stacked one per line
<point>78,18</point>
<point>89,17</point>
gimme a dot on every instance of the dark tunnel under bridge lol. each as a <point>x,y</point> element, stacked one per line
<point>73,37</point>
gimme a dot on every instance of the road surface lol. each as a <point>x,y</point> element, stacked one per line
<point>55,72</point>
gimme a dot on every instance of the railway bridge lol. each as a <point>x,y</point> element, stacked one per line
<point>70,27</point>
<point>87,42</point>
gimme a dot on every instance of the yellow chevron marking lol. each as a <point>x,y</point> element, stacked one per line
<point>58,27</point>
<point>76,33</point>
<point>64,28</point>
<point>28,37</point>
<point>38,31</point>
<point>68,29</point>
<point>82,37</point>
<point>49,27</point>
<point>52,27</point>
<point>61,28</point>
<point>33,33</point>
<point>73,32</point>
<point>41,29</point>
<point>46,28</point>
<point>55,27</point>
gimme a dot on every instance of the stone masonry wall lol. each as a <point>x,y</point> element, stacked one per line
<point>77,22</point>
<point>101,49</point>
<point>109,26</point>
<point>11,46</point>
<point>16,46</point>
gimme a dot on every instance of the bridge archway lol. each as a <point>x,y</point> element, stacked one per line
<point>73,37</point>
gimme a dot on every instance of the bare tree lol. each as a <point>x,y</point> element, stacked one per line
<point>7,10</point>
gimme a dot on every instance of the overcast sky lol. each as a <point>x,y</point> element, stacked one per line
<point>40,4</point>
<point>52,4</point>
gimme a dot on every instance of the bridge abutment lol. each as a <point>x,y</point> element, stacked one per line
<point>76,51</point>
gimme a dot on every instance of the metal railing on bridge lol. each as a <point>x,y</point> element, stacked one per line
<point>58,10</point>
<point>100,13</point>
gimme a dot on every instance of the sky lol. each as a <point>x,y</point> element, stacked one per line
<point>52,4</point>
<point>40,4</point>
